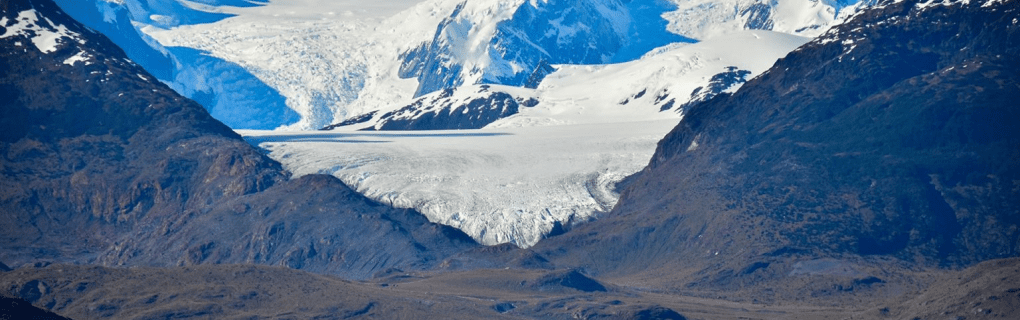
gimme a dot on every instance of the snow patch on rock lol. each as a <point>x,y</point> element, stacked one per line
<point>81,56</point>
<point>45,36</point>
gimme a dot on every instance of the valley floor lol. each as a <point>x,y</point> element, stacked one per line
<point>986,291</point>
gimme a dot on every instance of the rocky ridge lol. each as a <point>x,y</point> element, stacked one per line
<point>888,143</point>
<point>104,164</point>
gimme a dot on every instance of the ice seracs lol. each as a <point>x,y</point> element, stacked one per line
<point>497,185</point>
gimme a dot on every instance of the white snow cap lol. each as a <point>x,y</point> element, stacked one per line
<point>45,38</point>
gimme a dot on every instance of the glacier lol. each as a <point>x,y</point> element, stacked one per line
<point>552,163</point>
<point>502,185</point>
<point>570,95</point>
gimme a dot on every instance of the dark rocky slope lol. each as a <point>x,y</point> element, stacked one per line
<point>101,163</point>
<point>466,107</point>
<point>15,308</point>
<point>988,290</point>
<point>892,142</point>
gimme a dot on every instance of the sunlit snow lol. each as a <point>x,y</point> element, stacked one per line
<point>46,39</point>
<point>513,181</point>
<point>78,57</point>
<point>498,185</point>
<point>555,162</point>
<point>337,59</point>
<point>321,55</point>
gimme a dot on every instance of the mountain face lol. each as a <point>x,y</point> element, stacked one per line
<point>893,135</point>
<point>520,50</point>
<point>445,111</point>
<point>521,43</point>
<point>466,107</point>
<point>556,160</point>
<point>311,74</point>
<point>114,21</point>
<point>719,83</point>
<point>102,163</point>
<point>704,19</point>
<point>232,94</point>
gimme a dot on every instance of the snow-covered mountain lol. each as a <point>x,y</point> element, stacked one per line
<point>305,64</point>
<point>553,160</point>
<point>519,49</point>
<point>703,19</point>
<point>520,43</point>
<point>466,107</point>
<point>230,92</point>
<point>508,65</point>
<point>653,87</point>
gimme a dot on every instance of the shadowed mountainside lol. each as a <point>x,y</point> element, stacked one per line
<point>890,143</point>
<point>15,308</point>
<point>828,187</point>
<point>102,163</point>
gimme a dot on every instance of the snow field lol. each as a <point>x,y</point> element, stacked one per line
<point>637,90</point>
<point>332,60</point>
<point>556,162</point>
<point>336,59</point>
